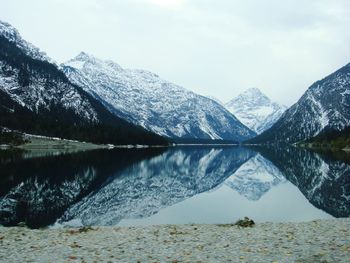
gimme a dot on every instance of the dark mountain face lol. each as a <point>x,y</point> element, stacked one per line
<point>322,177</point>
<point>325,105</point>
<point>332,138</point>
<point>36,97</point>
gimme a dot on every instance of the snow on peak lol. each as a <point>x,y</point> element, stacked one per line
<point>12,34</point>
<point>86,59</point>
<point>43,91</point>
<point>325,105</point>
<point>253,92</point>
<point>253,96</point>
<point>215,99</point>
<point>83,56</point>
<point>255,110</point>
<point>145,99</point>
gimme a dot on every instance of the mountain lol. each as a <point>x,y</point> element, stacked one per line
<point>255,110</point>
<point>324,106</point>
<point>143,98</point>
<point>215,99</point>
<point>255,178</point>
<point>11,34</point>
<point>36,97</point>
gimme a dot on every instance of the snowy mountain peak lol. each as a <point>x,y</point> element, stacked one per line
<point>84,59</point>
<point>37,92</point>
<point>6,28</point>
<point>325,105</point>
<point>253,96</point>
<point>253,92</point>
<point>215,99</point>
<point>254,109</point>
<point>12,34</point>
<point>143,98</point>
<point>83,56</point>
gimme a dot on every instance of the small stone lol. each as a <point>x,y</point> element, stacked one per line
<point>246,222</point>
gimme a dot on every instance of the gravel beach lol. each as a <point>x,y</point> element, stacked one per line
<point>316,241</point>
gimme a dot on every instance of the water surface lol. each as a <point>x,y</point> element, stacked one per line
<point>173,186</point>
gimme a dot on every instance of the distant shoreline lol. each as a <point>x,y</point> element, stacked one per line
<point>316,146</point>
<point>37,142</point>
<point>315,241</point>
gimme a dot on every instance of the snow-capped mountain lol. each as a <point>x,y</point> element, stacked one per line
<point>145,99</point>
<point>255,178</point>
<point>33,90</point>
<point>145,188</point>
<point>255,110</point>
<point>325,105</point>
<point>36,97</point>
<point>12,34</point>
<point>215,99</point>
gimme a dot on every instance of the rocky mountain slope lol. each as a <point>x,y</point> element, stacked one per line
<point>36,97</point>
<point>255,110</point>
<point>12,35</point>
<point>324,106</point>
<point>145,99</point>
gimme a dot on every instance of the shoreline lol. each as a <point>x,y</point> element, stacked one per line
<point>323,147</point>
<point>315,241</point>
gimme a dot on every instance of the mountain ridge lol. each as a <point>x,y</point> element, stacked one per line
<point>145,99</point>
<point>255,109</point>
<point>325,105</point>
<point>37,97</point>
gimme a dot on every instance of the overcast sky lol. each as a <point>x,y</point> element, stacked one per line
<point>218,48</point>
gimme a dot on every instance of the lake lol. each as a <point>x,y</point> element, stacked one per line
<point>178,185</point>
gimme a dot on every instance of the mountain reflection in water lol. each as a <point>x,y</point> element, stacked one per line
<point>122,186</point>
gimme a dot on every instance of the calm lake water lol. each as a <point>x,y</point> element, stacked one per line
<point>128,187</point>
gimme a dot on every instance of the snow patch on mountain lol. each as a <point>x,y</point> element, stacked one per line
<point>41,90</point>
<point>325,105</point>
<point>13,36</point>
<point>255,110</point>
<point>37,95</point>
<point>143,98</point>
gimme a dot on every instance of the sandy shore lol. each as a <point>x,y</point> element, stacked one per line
<point>317,241</point>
